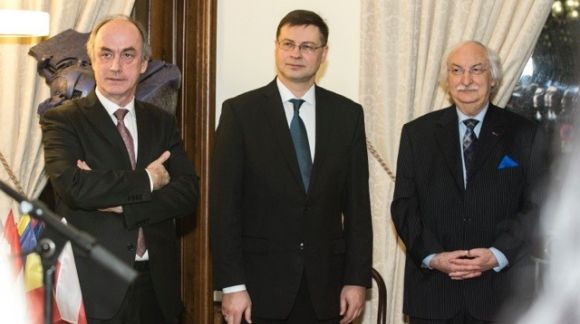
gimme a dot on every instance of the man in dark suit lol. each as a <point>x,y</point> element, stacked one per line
<point>120,173</point>
<point>290,212</point>
<point>464,200</point>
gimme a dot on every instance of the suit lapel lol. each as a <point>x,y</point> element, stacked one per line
<point>102,123</point>
<point>324,122</point>
<point>143,120</point>
<point>274,111</point>
<point>492,130</point>
<point>447,138</point>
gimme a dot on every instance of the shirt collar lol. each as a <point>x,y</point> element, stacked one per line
<point>479,117</point>
<point>286,94</point>
<point>111,107</point>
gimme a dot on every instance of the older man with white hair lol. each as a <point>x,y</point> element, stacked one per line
<point>463,202</point>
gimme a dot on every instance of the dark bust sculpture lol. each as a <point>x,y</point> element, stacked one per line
<point>65,65</point>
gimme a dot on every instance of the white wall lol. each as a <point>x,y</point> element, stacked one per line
<point>246,31</point>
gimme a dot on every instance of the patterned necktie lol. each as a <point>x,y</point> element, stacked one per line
<point>128,140</point>
<point>469,143</point>
<point>300,140</point>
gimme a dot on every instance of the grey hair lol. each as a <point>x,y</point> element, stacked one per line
<point>492,57</point>
<point>145,48</point>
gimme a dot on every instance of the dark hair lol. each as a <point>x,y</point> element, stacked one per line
<point>145,50</point>
<point>304,17</point>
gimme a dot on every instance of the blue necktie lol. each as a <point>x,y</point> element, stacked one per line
<point>300,140</point>
<point>469,141</point>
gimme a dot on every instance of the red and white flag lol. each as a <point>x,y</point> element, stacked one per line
<point>12,301</point>
<point>67,298</point>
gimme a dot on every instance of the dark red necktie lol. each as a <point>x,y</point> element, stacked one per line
<point>128,140</point>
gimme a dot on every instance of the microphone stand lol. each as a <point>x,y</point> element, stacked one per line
<point>49,249</point>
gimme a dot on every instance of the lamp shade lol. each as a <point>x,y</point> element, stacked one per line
<point>21,23</point>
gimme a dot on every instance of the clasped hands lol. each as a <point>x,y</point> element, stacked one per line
<point>159,176</point>
<point>464,264</point>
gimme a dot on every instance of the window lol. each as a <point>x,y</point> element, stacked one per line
<point>549,89</point>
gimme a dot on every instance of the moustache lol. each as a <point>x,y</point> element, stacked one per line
<point>466,88</point>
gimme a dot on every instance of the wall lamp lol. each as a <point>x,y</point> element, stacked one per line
<point>23,23</point>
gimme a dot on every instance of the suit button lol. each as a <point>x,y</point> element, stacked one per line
<point>301,246</point>
<point>131,247</point>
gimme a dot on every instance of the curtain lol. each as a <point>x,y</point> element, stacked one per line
<point>402,44</point>
<point>21,155</point>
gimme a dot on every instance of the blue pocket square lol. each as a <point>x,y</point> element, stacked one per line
<point>507,162</point>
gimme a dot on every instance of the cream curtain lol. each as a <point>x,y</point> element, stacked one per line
<point>402,44</point>
<point>22,90</point>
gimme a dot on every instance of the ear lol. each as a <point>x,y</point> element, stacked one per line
<point>144,63</point>
<point>324,52</point>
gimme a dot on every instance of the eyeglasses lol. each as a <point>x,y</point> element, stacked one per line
<point>307,48</point>
<point>474,70</point>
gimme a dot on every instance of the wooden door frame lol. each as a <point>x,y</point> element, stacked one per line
<point>183,32</point>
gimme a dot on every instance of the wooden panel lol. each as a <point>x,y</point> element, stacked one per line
<point>183,32</point>
<point>196,57</point>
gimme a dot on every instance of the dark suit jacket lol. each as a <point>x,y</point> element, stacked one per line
<point>83,130</point>
<point>266,232</point>
<point>433,212</point>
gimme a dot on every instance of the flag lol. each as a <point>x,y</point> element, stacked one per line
<point>12,238</point>
<point>29,231</point>
<point>12,302</point>
<point>67,299</point>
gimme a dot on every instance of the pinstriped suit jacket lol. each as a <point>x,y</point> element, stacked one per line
<point>433,212</point>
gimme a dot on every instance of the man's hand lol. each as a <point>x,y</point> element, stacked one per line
<point>83,165</point>
<point>452,264</point>
<point>352,302</point>
<point>235,305</point>
<point>114,209</point>
<point>478,260</point>
<point>159,174</point>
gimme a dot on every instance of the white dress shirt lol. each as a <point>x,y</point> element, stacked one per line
<point>308,115</point>
<point>499,256</point>
<point>307,111</point>
<point>130,122</point>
